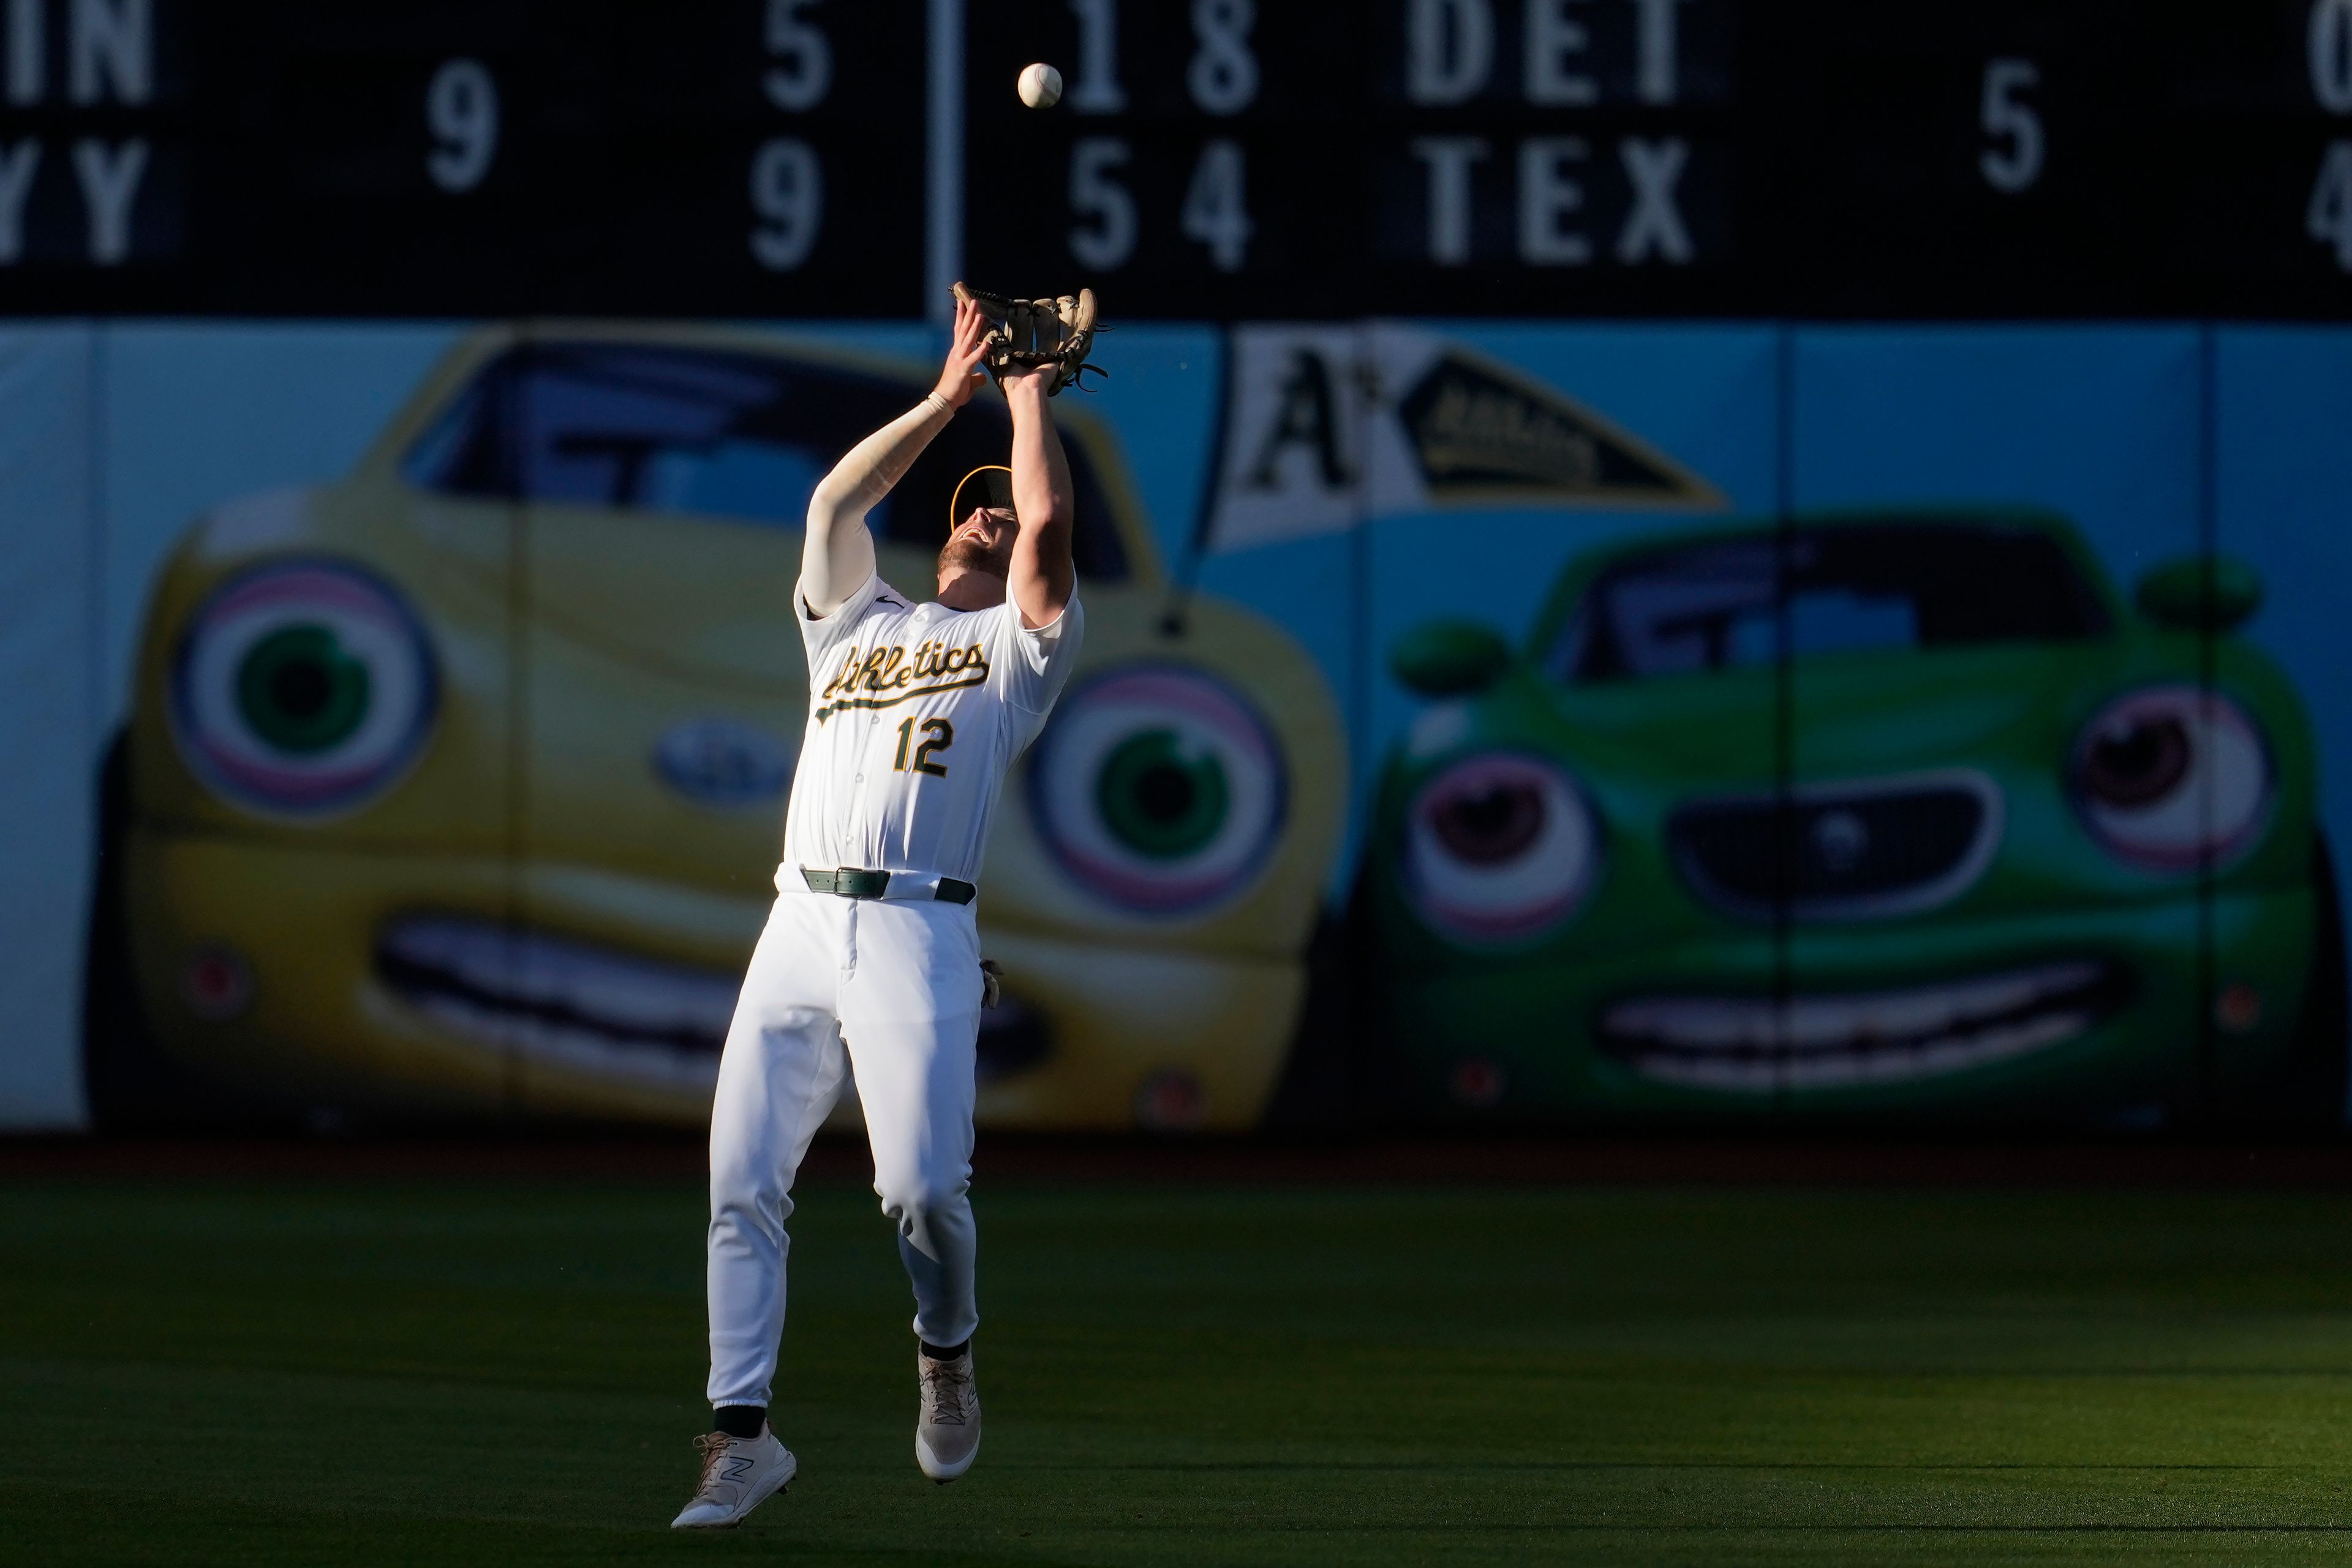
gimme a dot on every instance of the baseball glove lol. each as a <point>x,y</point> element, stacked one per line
<point>1031,334</point>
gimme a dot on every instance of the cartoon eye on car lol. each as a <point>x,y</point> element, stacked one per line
<point>1962,850</point>
<point>458,783</point>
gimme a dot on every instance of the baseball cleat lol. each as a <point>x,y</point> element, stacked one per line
<point>947,1432</point>
<point>739,1474</point>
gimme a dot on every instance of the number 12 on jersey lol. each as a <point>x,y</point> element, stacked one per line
<point>942,736</point>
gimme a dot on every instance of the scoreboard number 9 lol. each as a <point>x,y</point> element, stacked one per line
<point>461,110</point>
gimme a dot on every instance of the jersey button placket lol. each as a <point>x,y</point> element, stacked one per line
<point>854,850</point>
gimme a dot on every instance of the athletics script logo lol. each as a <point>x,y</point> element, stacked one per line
<point>883,677</point>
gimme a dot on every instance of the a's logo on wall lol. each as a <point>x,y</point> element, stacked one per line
<point>1327,426</point>
<point>1306,414</point>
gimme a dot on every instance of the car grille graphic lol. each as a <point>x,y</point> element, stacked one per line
<point>1841,851</point>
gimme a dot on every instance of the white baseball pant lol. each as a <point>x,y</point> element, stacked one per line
<point>898,983</point>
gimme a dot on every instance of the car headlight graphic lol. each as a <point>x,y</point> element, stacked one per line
<point>1159,788</point>
<point>2168,776</point>
<point>1498,846</point>
<point>302,687</point>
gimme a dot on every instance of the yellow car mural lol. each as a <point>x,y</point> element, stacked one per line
<point>457,785</point>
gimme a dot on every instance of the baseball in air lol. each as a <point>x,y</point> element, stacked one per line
<point>1041,87</point>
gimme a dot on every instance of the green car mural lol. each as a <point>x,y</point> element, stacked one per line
<point>1901,811</point>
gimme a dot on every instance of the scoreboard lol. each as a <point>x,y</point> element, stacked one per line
<point>1210,158</point>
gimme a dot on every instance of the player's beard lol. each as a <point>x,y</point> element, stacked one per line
<point>965,553</point>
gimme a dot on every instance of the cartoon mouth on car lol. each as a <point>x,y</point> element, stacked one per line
<point>457,785</point>
<point>1886,811</point>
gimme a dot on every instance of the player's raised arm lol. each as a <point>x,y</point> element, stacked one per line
<point>838,555</point>
<point>1041,578</point>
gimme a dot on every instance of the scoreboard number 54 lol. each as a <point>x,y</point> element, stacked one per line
<point>1216,213</point>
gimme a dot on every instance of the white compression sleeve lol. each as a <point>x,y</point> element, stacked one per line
<point>839,552</point>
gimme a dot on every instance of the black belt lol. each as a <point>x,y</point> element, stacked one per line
<point>848,882</point>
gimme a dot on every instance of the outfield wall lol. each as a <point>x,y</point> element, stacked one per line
<point>1801,745</point>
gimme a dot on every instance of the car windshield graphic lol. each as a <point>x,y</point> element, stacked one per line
<point>1850,588</point>
<point>735,435</point>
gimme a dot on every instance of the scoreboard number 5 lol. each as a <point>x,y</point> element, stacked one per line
<point>2014,161</point>
<point>1096,194</point>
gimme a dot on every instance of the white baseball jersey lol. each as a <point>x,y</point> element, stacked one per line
<point>916,712</point>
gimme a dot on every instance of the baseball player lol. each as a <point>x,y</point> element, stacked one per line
<point>870,959</point>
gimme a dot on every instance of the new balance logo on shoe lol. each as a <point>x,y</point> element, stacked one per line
<point>739,1474</point>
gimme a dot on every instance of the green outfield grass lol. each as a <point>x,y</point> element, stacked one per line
<point>509,1372</point>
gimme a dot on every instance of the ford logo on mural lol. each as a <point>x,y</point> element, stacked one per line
<point>722,762</point>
